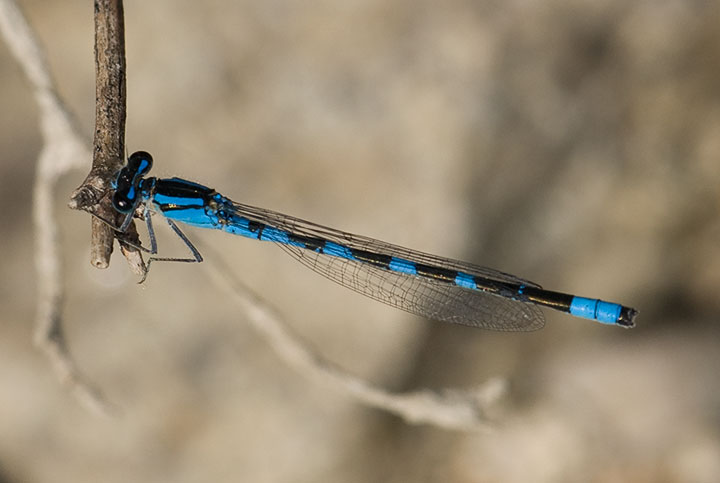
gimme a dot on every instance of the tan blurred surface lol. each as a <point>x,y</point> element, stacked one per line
<point>573,143</point>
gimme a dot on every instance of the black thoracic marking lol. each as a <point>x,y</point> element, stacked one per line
<point>308,242</point>
<point>174,207</point>
<point>442,274</point>
<point>382,261</point>
<point>183,189</point>
<point>256,227</point>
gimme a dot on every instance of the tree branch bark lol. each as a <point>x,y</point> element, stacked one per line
<point>109,139</point>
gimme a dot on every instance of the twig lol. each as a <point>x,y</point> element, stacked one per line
<point>455,409</point>
<point>109,141</point>
<point>63,149</point>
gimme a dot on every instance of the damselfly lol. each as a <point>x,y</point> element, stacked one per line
<point>427,285</point>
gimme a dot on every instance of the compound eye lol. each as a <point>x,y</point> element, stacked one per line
<point>128,181</point>
<point>140,162</point>
<point>123,201</point>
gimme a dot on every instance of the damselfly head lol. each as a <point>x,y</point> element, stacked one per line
<point>127,183</point>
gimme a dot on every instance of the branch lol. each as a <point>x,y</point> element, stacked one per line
<point>454,409</point>
<point>109,141</point>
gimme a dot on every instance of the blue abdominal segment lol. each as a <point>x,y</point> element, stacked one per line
<point>402,266</point>
<point>594,309</point>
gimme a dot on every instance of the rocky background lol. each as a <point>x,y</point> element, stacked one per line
<point>574,143</point>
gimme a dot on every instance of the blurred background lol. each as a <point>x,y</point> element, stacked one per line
<point>573,143</point>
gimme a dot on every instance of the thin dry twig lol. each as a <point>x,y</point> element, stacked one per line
<point>109,141</point>
<point>454,409</point>
<point>64,148</point>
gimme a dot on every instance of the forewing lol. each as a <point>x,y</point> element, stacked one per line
<point>419,295</point>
